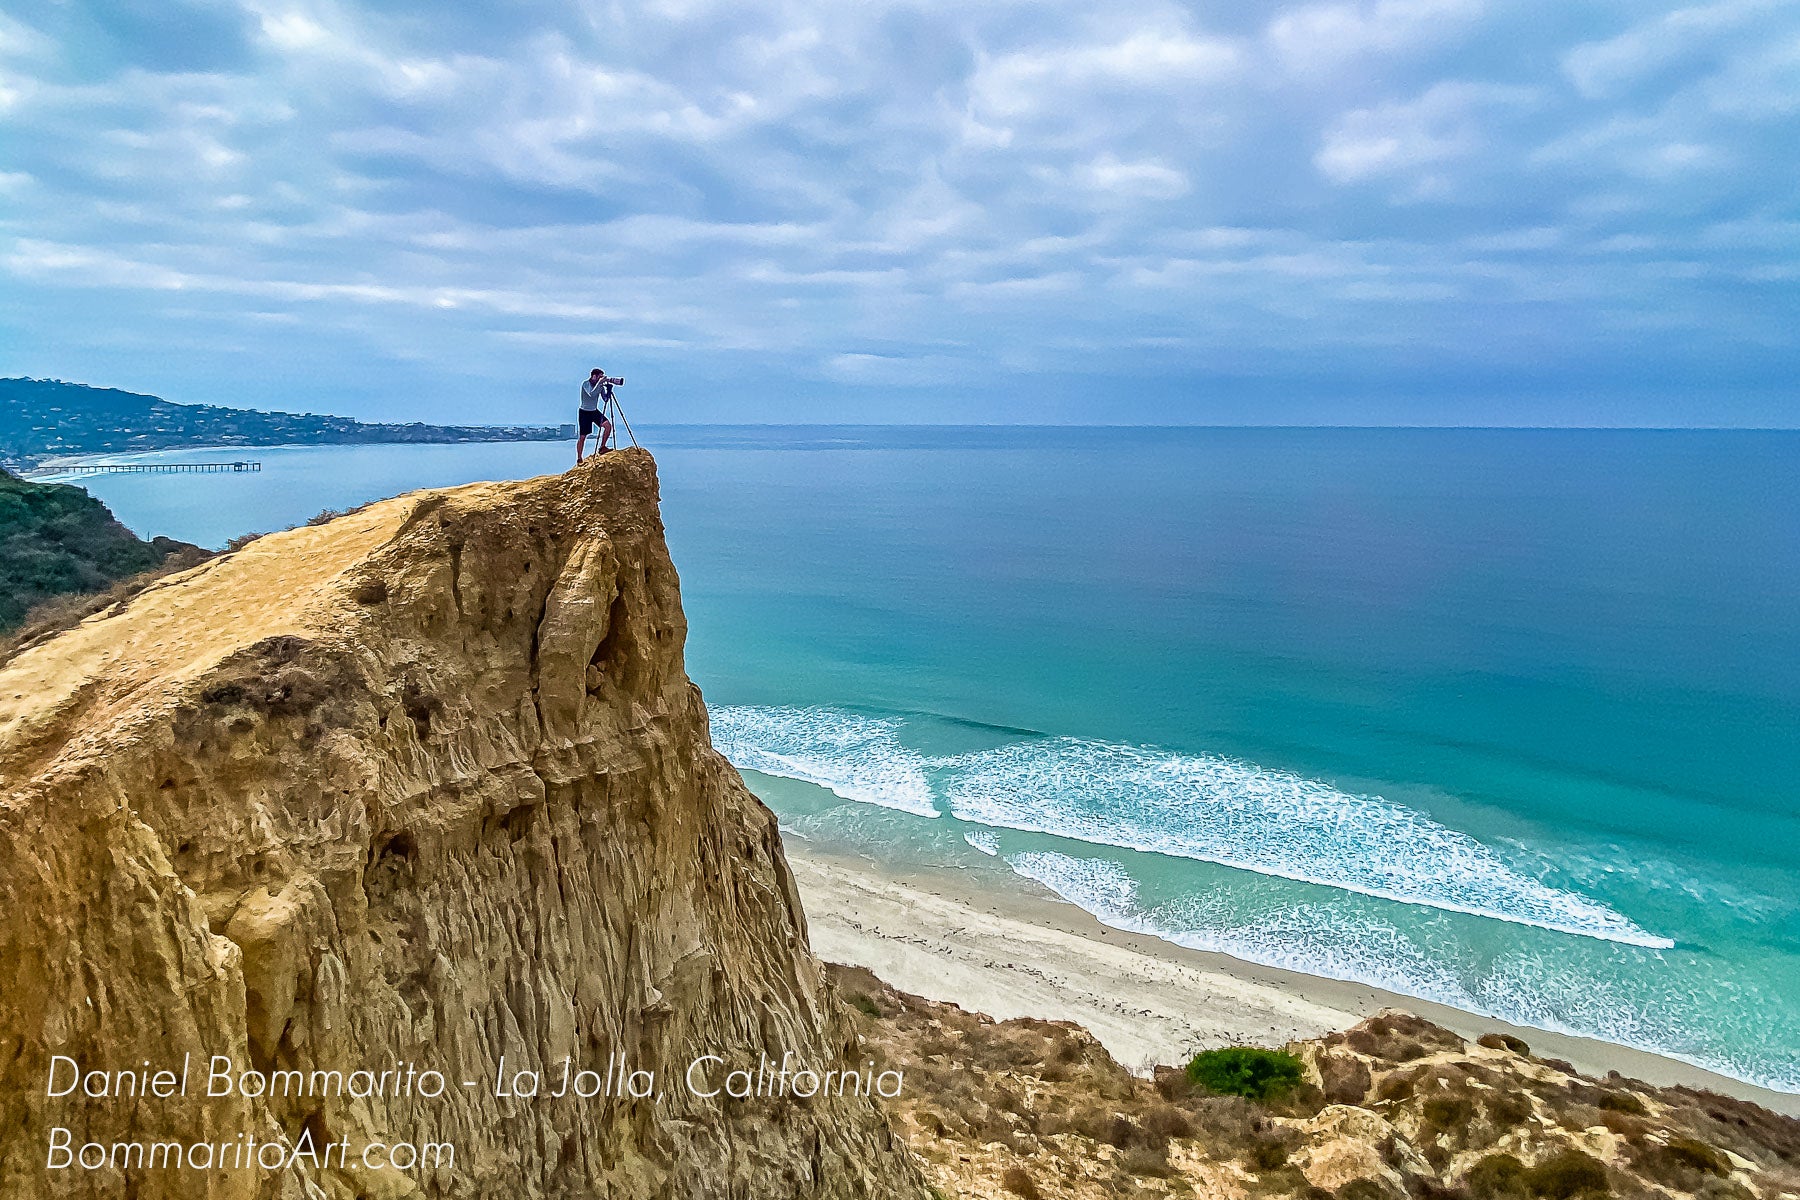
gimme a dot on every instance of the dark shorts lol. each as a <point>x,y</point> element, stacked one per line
<point>591,419</point>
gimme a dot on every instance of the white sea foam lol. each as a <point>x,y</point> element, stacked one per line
<point>857,757</point>
<point>1314,939</point>
<point>1103,888</point>
<point>1524,986</point>
<point>1204,807</point>
<point>1237,814</point>
<point>984,840</point>
<point>1280,825</point>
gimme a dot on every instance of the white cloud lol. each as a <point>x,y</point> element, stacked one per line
<point>860,193</point>
<point>1319,37</point>
<point>1763,84</point>
<point>295,31</point>
<point>1646,148</point>
<point>1113,180</point>
<point>1411,137</point>
<point>1514,241</point>
<point>20,41</point>
<point>1022,83</point>
<point>1601,68</point>
<point>891,371</point>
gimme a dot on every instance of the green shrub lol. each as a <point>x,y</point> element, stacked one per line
<point>1247,1071</point>
<point>56,540</point>
<point>864,1005</point>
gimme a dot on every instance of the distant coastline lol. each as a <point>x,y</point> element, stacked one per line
<point>49,422</point>
<point>50,468</point>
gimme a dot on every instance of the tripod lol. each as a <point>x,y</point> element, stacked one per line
<point>612,408</point>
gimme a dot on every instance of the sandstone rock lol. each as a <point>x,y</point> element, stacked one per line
<point>1344,1143</point>
<point>426,784</point>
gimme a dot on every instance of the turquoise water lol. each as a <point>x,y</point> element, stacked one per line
<point>1506,719</point>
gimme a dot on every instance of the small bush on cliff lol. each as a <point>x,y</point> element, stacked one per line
<point>1568,1175</point>
<point>1498,1177</point>
<point>1684,1164</point>
<point>1248,1071</point>
<point>1507,1109</point>
<point>1622,1102</point>
<point>1148,1162</point>
<point>1270,1149</point>
<point>1698,1155</point>
<point>1165,1121</point>
<point>1446,1114</point>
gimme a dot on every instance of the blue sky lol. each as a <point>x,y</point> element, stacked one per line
<point>1349,211</point>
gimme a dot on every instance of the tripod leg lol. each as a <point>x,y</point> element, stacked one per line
<point>626,422</point>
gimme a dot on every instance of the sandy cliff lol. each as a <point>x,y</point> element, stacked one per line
<point>424,785</point>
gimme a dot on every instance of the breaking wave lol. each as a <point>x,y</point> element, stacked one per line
<point>1204,807</point>
<point>1522,985</point>
<point>1314,939</point>
<point>857,757</point>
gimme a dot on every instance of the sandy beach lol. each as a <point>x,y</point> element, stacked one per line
<point>1011,948</point>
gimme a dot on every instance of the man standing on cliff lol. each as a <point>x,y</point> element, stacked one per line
<point>594,396</point>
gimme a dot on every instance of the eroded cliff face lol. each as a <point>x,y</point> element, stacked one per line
<point>426,784</point>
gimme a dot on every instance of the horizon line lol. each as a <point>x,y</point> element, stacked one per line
<point>1208,425</point>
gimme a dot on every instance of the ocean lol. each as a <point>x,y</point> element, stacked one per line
<point>1507,719</point>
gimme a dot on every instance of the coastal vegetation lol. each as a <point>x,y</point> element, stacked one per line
<point>1248,1071</point>
<point>57,542</point>
<point>46,418</point>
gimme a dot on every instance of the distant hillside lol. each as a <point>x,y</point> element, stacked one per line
<point>56,540</point>
<point>44,418</point>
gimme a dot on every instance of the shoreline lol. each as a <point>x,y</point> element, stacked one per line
<point>1015,951</point>
<point>54,463</point>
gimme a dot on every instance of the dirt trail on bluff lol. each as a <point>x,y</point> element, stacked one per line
<point>425,784</point>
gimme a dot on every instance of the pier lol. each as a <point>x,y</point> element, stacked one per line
<point>204,468</point>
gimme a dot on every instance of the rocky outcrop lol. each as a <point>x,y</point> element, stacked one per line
<point>1395,1108</point>
<point>425,787</point>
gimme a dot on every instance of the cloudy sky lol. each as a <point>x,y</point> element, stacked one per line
<point>1354,211</point>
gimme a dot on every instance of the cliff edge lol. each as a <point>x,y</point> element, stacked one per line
<point>422,788</point>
